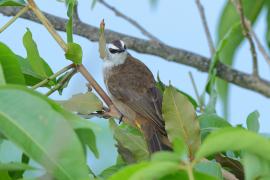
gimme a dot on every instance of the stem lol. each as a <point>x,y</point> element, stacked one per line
<point>196,90</point>
<point>22,11</point>
<point>45,81</point>
<point>62,82</point>
<point>47,24</point>
<point>190,172</point>
<point>94,84</point>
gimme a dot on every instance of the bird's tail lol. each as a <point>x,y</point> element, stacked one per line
<point>155,139</point>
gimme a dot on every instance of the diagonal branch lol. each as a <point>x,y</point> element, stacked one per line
<point>239,7</point>
<point>131,21</point>
<point>167,52</point>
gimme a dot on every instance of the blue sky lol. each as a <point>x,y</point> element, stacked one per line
<point>176,22</point>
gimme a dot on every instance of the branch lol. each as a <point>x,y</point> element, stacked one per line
<point>131,21</point>
<point>239,7</point>
<point>167,52</point>
<point>206,28</point>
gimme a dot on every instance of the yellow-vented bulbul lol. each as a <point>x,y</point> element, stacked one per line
<point>131,86</point>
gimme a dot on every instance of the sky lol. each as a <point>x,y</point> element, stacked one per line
<point>175,22</point>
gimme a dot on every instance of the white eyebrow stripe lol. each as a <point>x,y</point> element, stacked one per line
<point>122,43</point>
<point>113,47</point>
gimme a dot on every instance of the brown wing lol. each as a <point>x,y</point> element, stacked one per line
<point>134,85</point>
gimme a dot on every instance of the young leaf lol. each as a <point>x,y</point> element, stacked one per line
<point>74,53</point>
<point>38,65</point>
<point>228,18</point>
<point>131,139</point>
<point>12,3</point>
<point>69,25</point>
<point>10,66</point>
<point>256,167</point>
<point>234,139</point>
<point>165,156</point>
<point>105,174</point>
<point>83,103</point>
<point>180,119</point>
<point>41,132</point>
<point>102,41</point>
<point>253,121</point>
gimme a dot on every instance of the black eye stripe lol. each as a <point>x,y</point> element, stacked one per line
<point>113,51</point>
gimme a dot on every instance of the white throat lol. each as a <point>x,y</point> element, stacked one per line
<point>112,60</point>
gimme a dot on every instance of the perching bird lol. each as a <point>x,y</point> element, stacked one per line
<point>131,86</point>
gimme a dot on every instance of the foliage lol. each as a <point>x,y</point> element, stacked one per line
<point>53,135</point>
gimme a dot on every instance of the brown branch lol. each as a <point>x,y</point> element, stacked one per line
<point>239,7</point>
<point>131,21</point>
<point>167,52</point>
<point>259,44</point>
<point>206,28</point>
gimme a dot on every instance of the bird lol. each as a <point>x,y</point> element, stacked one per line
<point>132,89</point>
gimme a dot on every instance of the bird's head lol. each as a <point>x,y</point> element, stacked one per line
<point>116,52</point>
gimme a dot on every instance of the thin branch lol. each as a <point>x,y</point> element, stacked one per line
<point>62,82</point>
<point>13,19</point>
<point>196,90</point>
<point>47,24</point>
<point>45,81</point>
<point>206,28</point>
<point>239,6</point>
<point>259,44</point>
<point>130,20</point>
<point>167,52</point>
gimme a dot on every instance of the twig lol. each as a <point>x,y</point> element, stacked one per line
<point>47,24</point>
<point>259,44</point>
<point>62,82</point>
<point>166,52</point>
<point>239,7</point>
<point>13,19</point>
<point>45,81</point>
<point>196,90</point>
<point>206,28</point>
<point>131,21</point>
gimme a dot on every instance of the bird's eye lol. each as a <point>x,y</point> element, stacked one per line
<point>113,51</point>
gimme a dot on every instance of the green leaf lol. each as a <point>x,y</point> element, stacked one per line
<point>155,170</point>
<point>228,18</point>
<point>253,121</point>
<point>83,103</point>
<point>180,119</point>
<point>10,66</point>
<point>88,138</point>
<point>165,156</point>
<point>267,35</point>
<point>15,166</point>
<point>41,132</point>
<point>12,3</point>
<point>234,139</point>
<point>31,78</point>
<point>128,171</point>
<point>161,86</point>
<point>4,175</point>
<point>2,77</point>
<point>105,174</point>
<point>69,25</point>
<point>256,167</point>
<point>38,65</point>
<point>209,168</point>
<point>211,122</point>
<point>74,53</point>
<point>184,176</point>
<point>131,139</point>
